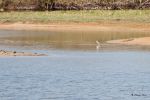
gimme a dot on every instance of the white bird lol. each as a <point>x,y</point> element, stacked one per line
<point>98,45</point>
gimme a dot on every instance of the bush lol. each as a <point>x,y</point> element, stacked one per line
<point>71,4</point>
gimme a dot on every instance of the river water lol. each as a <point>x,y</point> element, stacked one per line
<point>73,69</point>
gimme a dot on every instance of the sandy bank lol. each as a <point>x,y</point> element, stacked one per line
<point>14,53</point>
<point>132,41</point>
<point>102,26</point>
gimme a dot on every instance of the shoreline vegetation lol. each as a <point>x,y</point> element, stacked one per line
<point>73,4</point>
<point>83,20</point>
<point>91,20</point>
<point>73,16</point>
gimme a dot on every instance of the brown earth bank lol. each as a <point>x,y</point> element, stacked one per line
<point>14,53</point>
<point>110,26</point>
<point>113,26</point>
<point>144,41</point>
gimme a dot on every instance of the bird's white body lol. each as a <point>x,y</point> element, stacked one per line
<point>98,45</point>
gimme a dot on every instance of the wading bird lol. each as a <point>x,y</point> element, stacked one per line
<point>98,46</point>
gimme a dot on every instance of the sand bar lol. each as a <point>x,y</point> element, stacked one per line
<point>14,53</point>
<point>132,41</point>
<point>103,26</point>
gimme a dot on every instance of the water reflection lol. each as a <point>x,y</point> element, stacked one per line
<point>63,39</point>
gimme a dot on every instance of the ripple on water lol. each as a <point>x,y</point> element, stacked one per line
<point>76,76</point>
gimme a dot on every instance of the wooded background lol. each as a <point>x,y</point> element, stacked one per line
<point>73,4</point>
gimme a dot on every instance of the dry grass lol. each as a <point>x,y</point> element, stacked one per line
<point>76,16</point>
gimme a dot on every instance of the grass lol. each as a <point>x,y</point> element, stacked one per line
<point>76,16</point>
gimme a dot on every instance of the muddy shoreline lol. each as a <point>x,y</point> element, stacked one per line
<point>124,27</point>
<point>144,41</point>
<point>15,53</point>
<point>112,26</point>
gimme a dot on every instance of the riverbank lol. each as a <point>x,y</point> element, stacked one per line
<point>88,20</point>
<point>115,27</point>
<point>82,16</point>
<point>106,26</point>
<point>122,21</point>
<point>144,41</point>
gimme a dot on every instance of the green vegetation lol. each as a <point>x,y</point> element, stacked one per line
<point>73,4</point>
<point>76,16</point>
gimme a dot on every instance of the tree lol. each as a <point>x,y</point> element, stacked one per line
<point>4,3</point>
<point>47,4</point>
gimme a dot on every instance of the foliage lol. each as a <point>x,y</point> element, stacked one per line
<point>51,4</point>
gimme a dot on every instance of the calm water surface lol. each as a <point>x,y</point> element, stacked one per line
<point>72,74</point>
<point>64,40</point>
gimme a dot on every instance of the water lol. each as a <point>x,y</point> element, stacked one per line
<point>72,74</point>
<point>76,76</point>
<point>64,40</point>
